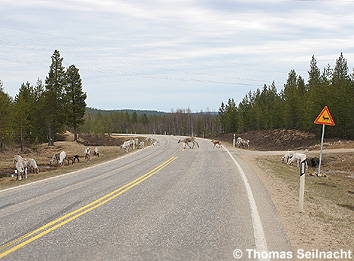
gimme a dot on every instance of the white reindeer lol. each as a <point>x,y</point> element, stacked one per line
<point>21,170</point>
<point>31,164</point>
<point>287,156</point>
<point>242,142</point>
<point>298,158</point>
<point>20,164</point>
<point>62,157</point>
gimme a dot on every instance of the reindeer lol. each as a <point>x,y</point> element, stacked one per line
<point>21,168</point>
<point>87,153</point>
<point>216,143</point>
<point>58,158</point>
<point>188,140</point>
<point>72,159</point>
<point>31,165</point>
<point>95,152</point>
<point>242,143</point>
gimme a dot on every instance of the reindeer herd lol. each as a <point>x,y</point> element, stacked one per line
<point>133,144</point>
<point>25,165</point>
<point>241,143</point>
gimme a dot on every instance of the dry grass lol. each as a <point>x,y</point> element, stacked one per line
<point>338,188</point>
<point>43,153</point>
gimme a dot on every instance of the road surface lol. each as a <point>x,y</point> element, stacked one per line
<point>160,203</point>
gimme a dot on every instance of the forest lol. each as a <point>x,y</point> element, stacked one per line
<point>297,104</point>
<point>39,113</point>
<point>179,122</point>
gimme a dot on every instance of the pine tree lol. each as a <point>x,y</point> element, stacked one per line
<point>221,115</point>
<point>23,112</point>
<point>39,131</point>
<point>314,93</point>
<point>341,101</point>
<point>340,72</point>
<point>74,99</point>
<point>291,101</point>
<point>53,97</point>
<point>5,117</point>
<point>231,116</point>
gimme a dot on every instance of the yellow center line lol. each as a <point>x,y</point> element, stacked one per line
<point>121,190</point>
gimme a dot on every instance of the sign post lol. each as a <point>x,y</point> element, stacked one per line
<point>323,118</point>
<point>234,140</point>
<point>302,185</point>
<point>319,164</point>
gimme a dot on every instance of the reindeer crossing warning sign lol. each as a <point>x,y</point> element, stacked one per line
<point>325,117</point>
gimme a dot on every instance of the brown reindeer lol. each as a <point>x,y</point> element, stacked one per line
<point>216,143</point>
<point>188,140</point>
<point>72,159</point>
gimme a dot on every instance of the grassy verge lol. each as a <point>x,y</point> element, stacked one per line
<point>337,189</point>
<point>328,217</point>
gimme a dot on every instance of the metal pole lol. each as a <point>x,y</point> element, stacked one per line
<point>233,141</point>
<point>319,165</point>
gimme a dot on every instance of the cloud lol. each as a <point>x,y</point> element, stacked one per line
<point>134,45</point>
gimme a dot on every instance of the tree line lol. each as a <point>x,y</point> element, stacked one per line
<point>179,122</point>
<point>38,113</point>
<point>297,104</point>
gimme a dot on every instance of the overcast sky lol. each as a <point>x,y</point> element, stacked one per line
<point>164,54</point>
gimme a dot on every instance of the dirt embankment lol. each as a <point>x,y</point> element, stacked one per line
<point>103,140</point>
<point>281,139</point>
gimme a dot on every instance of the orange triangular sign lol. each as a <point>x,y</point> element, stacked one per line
<point>325,117</point>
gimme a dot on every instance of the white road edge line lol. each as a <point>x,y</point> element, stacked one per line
<point>258,232</point>
<point>76,171</point>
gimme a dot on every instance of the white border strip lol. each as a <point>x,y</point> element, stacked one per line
<point>259,237</point>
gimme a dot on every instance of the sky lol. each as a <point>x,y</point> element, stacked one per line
<point>164,54</point>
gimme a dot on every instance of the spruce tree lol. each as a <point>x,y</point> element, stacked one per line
<point>53,97</point>
<point>74,99</point>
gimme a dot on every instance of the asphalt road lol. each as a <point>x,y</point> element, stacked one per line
<point>160,203</point>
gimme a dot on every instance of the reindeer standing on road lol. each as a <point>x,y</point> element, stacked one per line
<point>216,143</point>
<point>188,140</point>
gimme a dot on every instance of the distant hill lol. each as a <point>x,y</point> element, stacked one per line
<point>147,112</point>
